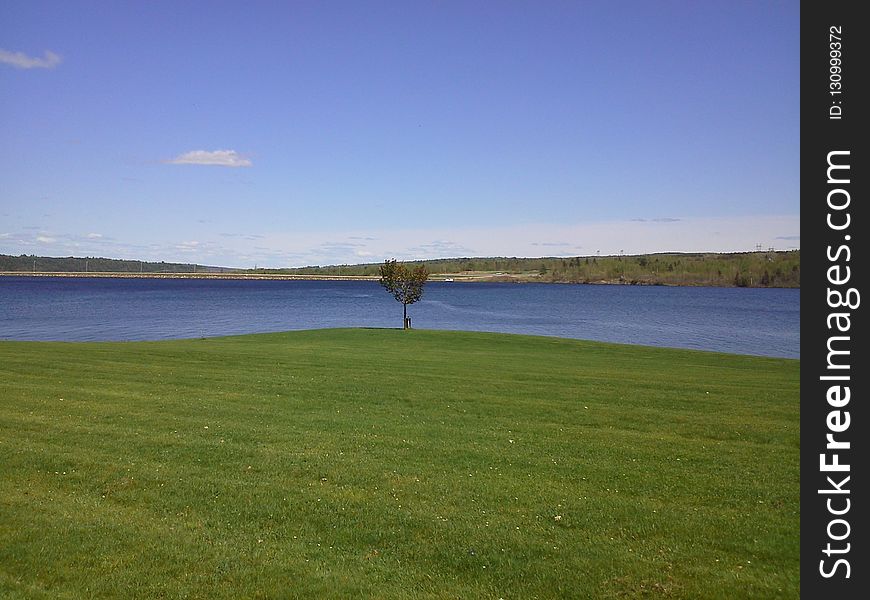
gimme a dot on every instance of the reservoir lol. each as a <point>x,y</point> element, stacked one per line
<point>755,321</point>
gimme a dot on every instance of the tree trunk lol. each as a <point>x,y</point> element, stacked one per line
<point>404,316</point>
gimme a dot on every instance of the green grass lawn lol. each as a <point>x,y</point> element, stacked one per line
<point>391,464</point>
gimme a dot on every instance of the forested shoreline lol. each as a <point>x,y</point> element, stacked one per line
<point>741,269</point>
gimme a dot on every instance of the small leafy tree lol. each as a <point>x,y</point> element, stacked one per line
<point>404,283</point>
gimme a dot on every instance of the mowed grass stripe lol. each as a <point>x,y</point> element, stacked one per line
<point>399,464</point>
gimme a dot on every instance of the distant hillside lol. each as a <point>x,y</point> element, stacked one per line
<point>743,269</point>
<point>29,264</point>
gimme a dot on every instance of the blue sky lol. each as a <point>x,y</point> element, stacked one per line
<point>294,133</point>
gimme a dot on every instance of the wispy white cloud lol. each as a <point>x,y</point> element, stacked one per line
<point>299,248</point>
<point>219,158</point>
<point>552,244</point>
<point>191,246</point>
<point>20,60</point>
<point>94,236</point>
<point>686,234</point>
<point>247,236</point>
<point>438,248</point>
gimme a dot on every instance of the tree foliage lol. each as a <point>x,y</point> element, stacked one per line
<point>709,269</point>
<point>404,283</point>
<point>27,263</point>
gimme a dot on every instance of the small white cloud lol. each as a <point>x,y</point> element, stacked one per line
<point>45,239</point>
<point>94,236</point>
<point>19,60</point>
<point>220,158</point>
<point>187,246</point>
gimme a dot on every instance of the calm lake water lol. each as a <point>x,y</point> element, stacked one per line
<point>745,321</point>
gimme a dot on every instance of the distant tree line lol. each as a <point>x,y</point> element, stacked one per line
<point>740,269</point>
<point>70,264</point>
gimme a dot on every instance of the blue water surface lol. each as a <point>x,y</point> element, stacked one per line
<point>738,320</point>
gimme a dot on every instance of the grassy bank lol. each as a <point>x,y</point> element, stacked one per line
<point>390,464</point>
